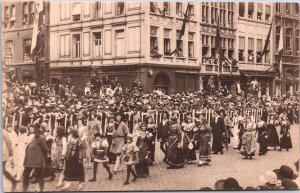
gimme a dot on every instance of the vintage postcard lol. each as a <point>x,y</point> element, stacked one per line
<point>150,96</point>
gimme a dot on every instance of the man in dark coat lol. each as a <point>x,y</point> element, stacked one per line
<point>218,127</point>
<point>162,131</point>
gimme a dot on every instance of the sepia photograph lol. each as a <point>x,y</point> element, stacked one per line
<point>150,96</point>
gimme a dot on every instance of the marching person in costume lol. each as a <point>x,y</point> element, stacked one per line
<point>203,140</point>
<point>59,153</point>
<point>273,141</point>
<point>143,143</point>
<point>74,170</point>
<point>130,157</point>
<point>248,140</point>
<point>175,153</point>
<point>189,132</point>
<point>99,155</point>
<point>119,135</point>
<point>262,138</point>
<point>152,128</point>
<point>285,139</point>
<point>163,132</point>
<point>110,127</point>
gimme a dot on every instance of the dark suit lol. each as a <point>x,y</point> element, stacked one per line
<point>218,127</point>
<point>35,158</point>
<point>163,134</point>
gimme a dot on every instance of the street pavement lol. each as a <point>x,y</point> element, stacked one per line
<point>191,177</point>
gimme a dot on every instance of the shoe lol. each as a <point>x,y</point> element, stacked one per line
<point>259,154</point>
<point>14,185</point>
<point>92,180</point>
<point>110,176</point>
<point>245,157</point>
<point>126,182</point>
<point>52,177</point>
<point>115,172</point>
<point>222,152</point>
<point>134,179</point>
<point>120,170</point>
<point>58,185</point>
<point>215,152</point>
<point>34,181</point>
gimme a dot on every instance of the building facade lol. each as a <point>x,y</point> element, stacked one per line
<point>254,23</point>
<point>18,19</point>
<point>287,17</point>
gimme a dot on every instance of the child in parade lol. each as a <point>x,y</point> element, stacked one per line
<point>130,158</point>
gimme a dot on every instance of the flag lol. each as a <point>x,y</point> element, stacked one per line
<point>267,42</point>
<point>280,50</point>
<point>218,52</point>
<point>182,31</point>
<point>37,35</point>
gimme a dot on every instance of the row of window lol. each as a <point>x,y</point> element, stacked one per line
<point>82,43</point>
<point>249,53</point>
<point>168,49</point>
<point>287,6</point>
<point>212,14</point>
<point>288,40</point>
<point>9,51</point>
<point>263,13</point>
<point>76,10</point>
<point>27,13</point>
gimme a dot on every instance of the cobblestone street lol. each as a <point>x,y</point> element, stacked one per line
<point>191,177</point>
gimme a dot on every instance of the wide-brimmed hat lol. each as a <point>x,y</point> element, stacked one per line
<point>285,172</point>
<point>289,184</point>
<point>269,177</point>
<point>231,184</point>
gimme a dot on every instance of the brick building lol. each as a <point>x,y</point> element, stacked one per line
<point>17,25</point>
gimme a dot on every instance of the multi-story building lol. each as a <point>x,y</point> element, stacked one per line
<point>17,25</point>
<point>287,17</point>
<point>254,23</point>
<point>212,13</point>
<point>133,40</point>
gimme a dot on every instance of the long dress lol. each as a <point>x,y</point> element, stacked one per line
<point>59,149</point>
<point>20,151</point>
<point>203,139</point>
<point>235,132</point>
<point>248,141</point>
<point>85,139</point>
<point>285,140</point>
<point>74,170</point>
<point>143,143</point>
<point>189,131</point>
<point>262,137</point>
<point>273,135</point>
<point>175,153</point>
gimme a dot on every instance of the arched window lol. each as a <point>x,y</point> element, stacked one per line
<point>26,49</point>
<point>9,52</point>
<point>288,40</point>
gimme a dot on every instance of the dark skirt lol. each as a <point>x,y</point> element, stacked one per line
<point>175,155</point>
<point>273,140</point>
<point>204,147</point>
<point>74,170</point>
<point>285,141</point>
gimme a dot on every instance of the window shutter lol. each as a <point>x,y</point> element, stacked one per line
<point>251,6</point>
<point>242,43</point>
<point>259,7</point>
<point>268,9</point>
<point>250,43</point>
<point>259,45</point>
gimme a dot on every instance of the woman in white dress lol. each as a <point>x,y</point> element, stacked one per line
<point>235,131</point>
<point>22,142</point>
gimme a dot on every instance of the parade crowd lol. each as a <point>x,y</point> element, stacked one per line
<point>49,130</point>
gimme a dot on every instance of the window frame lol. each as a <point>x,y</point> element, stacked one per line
<point>27,49</point>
